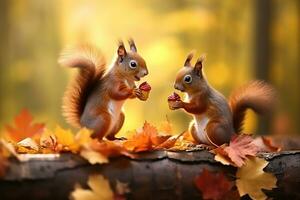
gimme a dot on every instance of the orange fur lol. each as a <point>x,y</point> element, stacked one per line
<point>91,65</point>
<point>96,97</point>
<point>215,118</point>
<point>257,95</point>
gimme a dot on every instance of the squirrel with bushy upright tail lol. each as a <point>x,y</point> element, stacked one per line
<point>96,97</point>
<point>216,120</point>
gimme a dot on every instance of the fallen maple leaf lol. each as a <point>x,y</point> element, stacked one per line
<point>138,143</point>
<point>24,127</point>
<point>109,148</point>
<point>65,140</point>
<point>214,185</point>
<point>251,178</point>
<point>169,143</point>
<point>93,157</point>
<point>146,139</point>
<point>99,151</point>
<point>100,190</point>
<point>83,137</point>
<point>237,151</point>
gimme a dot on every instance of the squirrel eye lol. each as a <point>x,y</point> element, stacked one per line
<point>187,78</point>
<point>132,64</point>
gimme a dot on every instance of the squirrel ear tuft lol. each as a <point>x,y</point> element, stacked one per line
<point>121,50</point>
<point>189,57</point>
<point>132,45</point>
<point>199,65</point>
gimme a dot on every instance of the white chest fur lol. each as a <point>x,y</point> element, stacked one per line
<point>201,122</point>
<point>114,109</point>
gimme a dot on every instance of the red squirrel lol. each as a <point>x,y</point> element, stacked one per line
<point>216,120</point>
<point>96,97</point>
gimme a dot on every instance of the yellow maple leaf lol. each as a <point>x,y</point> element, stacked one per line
<point>83,137</point>
<point>93,157</point>
<point>251,178</point>
<point>64,136</point>
<point>65,140</point>
<point>100,190</point>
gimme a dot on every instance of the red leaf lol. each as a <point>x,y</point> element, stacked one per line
<point>24,127</point>
<point>238,149</point>
<point>213,185</point>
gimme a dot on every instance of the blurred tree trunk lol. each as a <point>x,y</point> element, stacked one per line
<point>4,27</point>
<point>262,49</point>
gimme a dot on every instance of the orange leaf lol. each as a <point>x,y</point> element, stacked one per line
<point>151,131</point>
<point>109,148</point>
<point>188,137</point>
<point>146,140</point>
<point>166,127</point>
<point>138,143</point>
<point>169,142</point>
<point>239,148</point>
<point>24,127</point>
<point>214,185</point>
<point>142,141</point>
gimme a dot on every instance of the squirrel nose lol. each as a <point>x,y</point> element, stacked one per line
<point>146,73</point>
<point>176,86</point>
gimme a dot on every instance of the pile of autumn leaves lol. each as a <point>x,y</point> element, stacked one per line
<point>27,137</point>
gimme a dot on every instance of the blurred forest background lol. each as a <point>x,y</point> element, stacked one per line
<point>244,40</point>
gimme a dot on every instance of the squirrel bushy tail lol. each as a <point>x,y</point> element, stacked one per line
<point>91,64</point>
<point>257,95</point>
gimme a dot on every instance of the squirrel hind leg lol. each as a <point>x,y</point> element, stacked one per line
<point>218,134</point>
<point>99,125</point>
<point>117,127</point>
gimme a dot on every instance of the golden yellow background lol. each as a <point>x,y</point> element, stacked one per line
<point>33,33</point>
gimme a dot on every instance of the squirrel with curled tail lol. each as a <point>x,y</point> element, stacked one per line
<point>216,120</point>
<point>96,97</point>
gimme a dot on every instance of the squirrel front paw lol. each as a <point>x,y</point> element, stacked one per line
<point>137,93</point>
<point>174,105</point>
